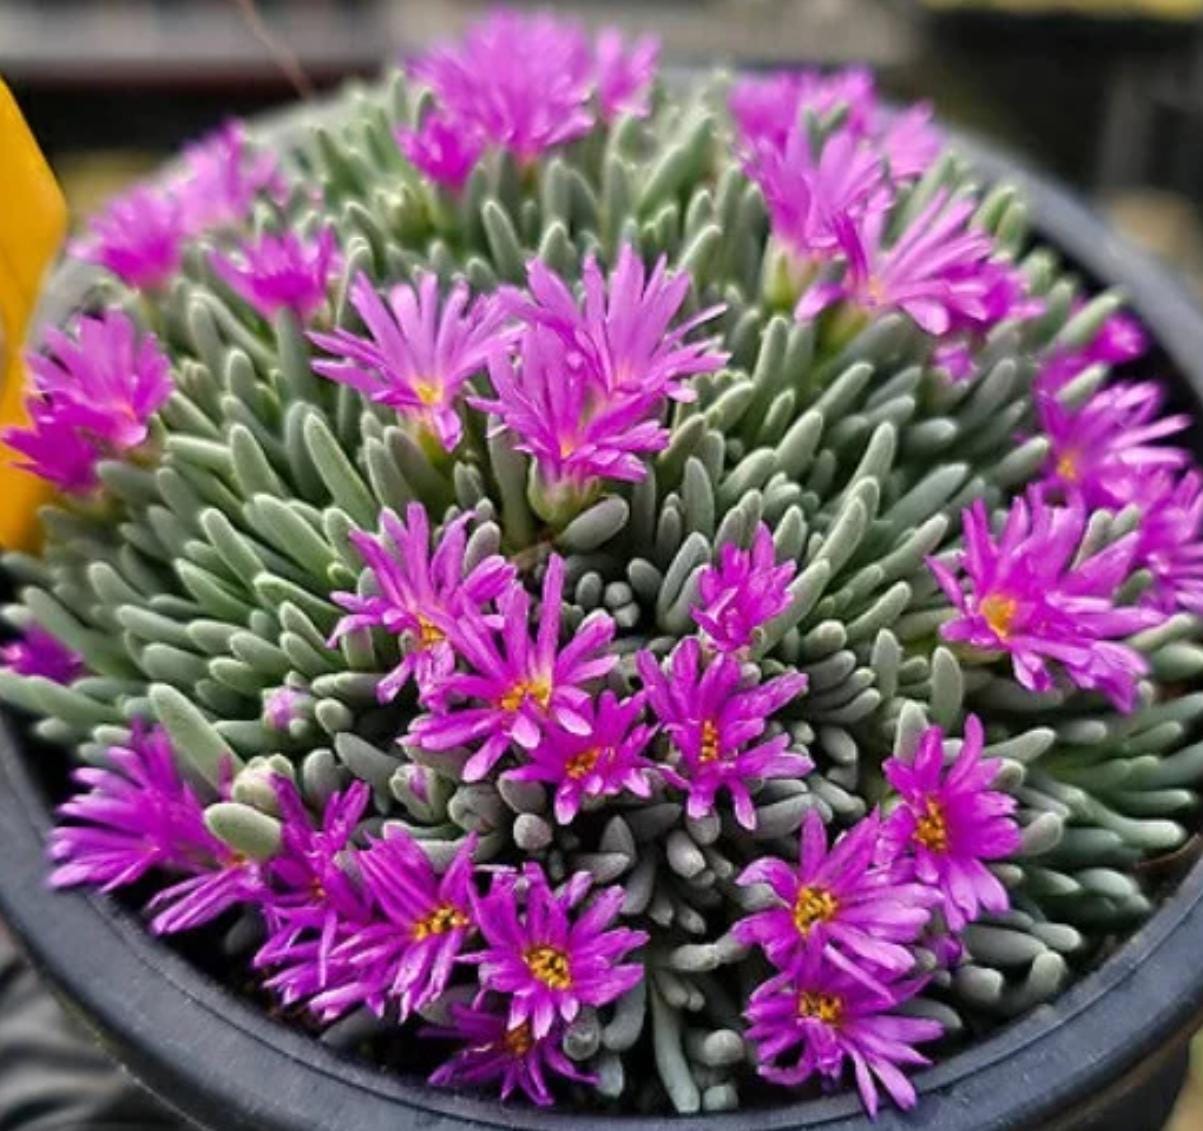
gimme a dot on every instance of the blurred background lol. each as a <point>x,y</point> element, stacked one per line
<point>1105,94</point>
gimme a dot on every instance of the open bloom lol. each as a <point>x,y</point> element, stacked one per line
<point>603,762</point>
<point>744,591</point>
<point>419,921</point>
<point>813,198</point>
<point>103,379</point>
<point>53,450</point>
<point>547,955</point>
<point>280,272</point>
<point>838,904</point>
<point>832,1019</point>
<point>138,237</point>
<point>1105,448</point>
<point>624,74</point>
<point>1027,597</point>
<point>937,272</point>
<point>39,653</point>
<point>576,432</point>
<point>445,152</point>
<point>766,108</point>
<point>951,822</point>
<point>518,82</point>
<point>494,1051</point>
<point>418,594</point>
<point>512,693</point>
<point>711,718</point>
<point>621,331</point>
<point>220,178</point>
<point>416,357</point>
<point>1170,542</point>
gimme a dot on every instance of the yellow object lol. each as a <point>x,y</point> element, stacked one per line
<point>33,220</point>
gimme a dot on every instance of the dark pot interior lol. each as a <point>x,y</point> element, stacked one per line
<point>1107,1055</point>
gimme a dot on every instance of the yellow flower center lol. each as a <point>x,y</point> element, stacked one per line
<point>442,920</point>
<point>710,742</point>
<point>1067,466</point>
<point>538,690</point>
<point>813,905</point>
<point>429,634</point>
<point>429,393</point>
<point>583,763</point>
<point>549,965</point>
<point>517,1041</point>
<point>999,613</point>
<point>875,289</point>
<point>931,830</point>
<point>828,1008</point>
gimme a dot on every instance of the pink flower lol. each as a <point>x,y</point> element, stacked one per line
<point>1119,340</point>
<point>419,595</point>
<point>54,450</point>
<point>621,330</point>
<point>495,1051</point>
<point>103,378</point>
<point>416,357</point>
<point>710,719</point>
<point>39,653</point>
<point>743,592</point>
<point>518,82</point>
<point>138,237</point>
<point>516,688</point>
<point>280,272</point>
<point>1170,542</point>
<point>1105,448</point>
<point>547,960</point>
<point>603,762</point>
<point>837,904</point>
<point>950,823</point>
<point>625,74</point>
<point>937,272</point>
<point>405,952</point>
<point>220,178</point>
<point>444,151</point>
<point>1028,597</point>
<point>833,1019</point>
<point>767,108</point>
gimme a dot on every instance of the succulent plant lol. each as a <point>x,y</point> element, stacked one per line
<point>533,556</point>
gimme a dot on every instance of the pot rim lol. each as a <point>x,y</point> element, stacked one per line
<point>178,1030</point>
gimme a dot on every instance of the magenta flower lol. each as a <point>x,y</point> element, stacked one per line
<point>419,594</point>
<point>280,272</point>
<point>949,823</point>
<point>1028,598</point>
<point>624,74</point>
<point>220,178</point>
<point>406,950</point>
<point>1171,541</point>
<point>134,815</point>
<point>576,432</point>
<point>54,450</point>
<point>1120,339</point>
<point>496,1051</point>
<point>621,331</point>
<point>744,591</point>
<point>546,961</point>
<point>937,272</point>
<point>521,83</point>
<point>442,150</point>
<point>283,705</point>
<point>812,200</point>
<point>138,238</point>
<point>39,653</point>
<point>104,379</point>
<point>910,141</point>
<point>766,109</point>
<point>603,762</point>
<point>1105,448</point>
<point>308,896</point>
<point>833,1019</point>
<point>516,687</point>
<point>837,904</point>
<point>416,359</point>
<point>710,719</point>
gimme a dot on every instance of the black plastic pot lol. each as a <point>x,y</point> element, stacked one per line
<point>1108,1055</point>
